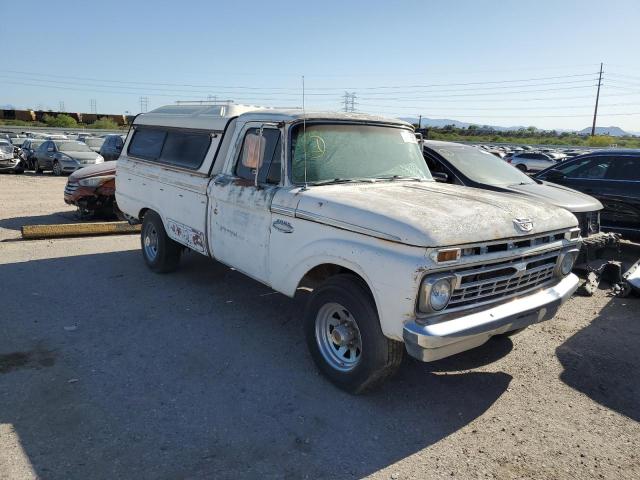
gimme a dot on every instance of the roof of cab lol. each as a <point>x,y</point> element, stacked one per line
<point>216,116</point>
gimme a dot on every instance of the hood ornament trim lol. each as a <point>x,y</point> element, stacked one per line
<point>525,225</point>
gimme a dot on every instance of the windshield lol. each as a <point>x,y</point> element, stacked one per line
<point>72,147</point>
<point>354,151</point>
<point>94,142</point>
<point>481,166</point>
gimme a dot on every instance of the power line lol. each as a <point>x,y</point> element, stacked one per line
<point>38,76</point>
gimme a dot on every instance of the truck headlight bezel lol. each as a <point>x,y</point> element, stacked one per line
<point>566,262</point>
<point>435,293</point>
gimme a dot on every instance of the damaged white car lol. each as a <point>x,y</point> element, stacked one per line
<point>345,205</point>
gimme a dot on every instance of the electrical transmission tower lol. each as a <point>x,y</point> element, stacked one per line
<point>61,106</point>
<point>349,101</point>
<point>94,108</point>
<point>144,104</point>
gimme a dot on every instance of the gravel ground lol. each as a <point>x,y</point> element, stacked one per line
<point>108,370</point>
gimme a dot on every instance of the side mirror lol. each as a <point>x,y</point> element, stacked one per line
<point>253,152</point>
<point>440,177</point>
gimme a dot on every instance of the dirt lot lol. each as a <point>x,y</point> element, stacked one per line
<point>110,371</point>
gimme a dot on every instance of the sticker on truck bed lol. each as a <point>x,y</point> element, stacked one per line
<point>186,235</point>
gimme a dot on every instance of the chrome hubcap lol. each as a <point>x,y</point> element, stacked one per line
<point>338,337</point>
<point>150,242</point>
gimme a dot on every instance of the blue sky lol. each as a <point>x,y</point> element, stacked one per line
<point>487,62</point>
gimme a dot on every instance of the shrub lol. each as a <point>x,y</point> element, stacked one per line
<point>62,120</point>
<point>105,124</point>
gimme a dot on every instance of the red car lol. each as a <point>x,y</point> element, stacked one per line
<point>93,190</point>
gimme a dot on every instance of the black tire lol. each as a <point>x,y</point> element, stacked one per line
<point>521,167</point>
<point>36,168</point>
<point>168,252</point>
<point>57,169</point>
<point>379,358</point>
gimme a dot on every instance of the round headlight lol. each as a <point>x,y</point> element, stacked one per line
<point>567,263</point>
<point>440,294</point>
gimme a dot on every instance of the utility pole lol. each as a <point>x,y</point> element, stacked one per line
<point>595,112</point>
<point>353,102</point>
<point>61,106</point>
<point>345,99</point>
<point>419,121</point>
<point>144,104</point>
<point>94,108</point>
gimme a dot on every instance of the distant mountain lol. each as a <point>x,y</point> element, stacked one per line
<point>612,131</point>
<point>441,122</point>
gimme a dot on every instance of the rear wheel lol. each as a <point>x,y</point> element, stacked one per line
<point>521,167</point>
<point>343,333</point>
<point>160,253</point>
<point>57,169</point>
<point>36,167</point>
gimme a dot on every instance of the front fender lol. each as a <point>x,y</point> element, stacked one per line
<point>391,271</point>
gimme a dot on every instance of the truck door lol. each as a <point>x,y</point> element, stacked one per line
<point>240,210</point>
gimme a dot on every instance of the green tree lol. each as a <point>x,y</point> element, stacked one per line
<point>62,120</point>
<point>104,123</point>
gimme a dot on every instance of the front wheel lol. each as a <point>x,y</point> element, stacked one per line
<point>343,333</point>
<point>36,167</point>
<point>160,253</point>
<point>57,169</point>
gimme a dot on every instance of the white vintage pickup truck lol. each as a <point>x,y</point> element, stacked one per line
<point>344,205</point>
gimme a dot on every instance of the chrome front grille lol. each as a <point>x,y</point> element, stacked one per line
<point>70,188</point>
<point>499,280</point>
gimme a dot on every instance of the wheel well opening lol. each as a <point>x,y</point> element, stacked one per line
<point>142,213</point>
<point>320,273</point>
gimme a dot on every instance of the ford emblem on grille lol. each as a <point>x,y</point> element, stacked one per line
<point>523,224</point>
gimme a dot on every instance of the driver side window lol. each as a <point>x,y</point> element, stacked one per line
<point>269,148</point>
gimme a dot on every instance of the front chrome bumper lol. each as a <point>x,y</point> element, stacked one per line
<point>429,342</point>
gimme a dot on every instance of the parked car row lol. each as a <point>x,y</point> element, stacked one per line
<point>61,154</point>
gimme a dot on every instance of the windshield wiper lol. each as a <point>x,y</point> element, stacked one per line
<point>400,177</point>
<point>341,180</point>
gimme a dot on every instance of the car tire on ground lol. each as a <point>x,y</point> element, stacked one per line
<point>57,168</point>
<point>36,167</point>
<point>160,253</point>
<point>343,333</point>
<point>521,167</point>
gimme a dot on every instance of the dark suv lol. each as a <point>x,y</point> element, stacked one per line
<point>111,147</point>
<point>611,176</point>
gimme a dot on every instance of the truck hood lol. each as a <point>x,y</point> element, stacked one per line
<point>98,169</point>
<point>558,195</point>
<point>428,214</point>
